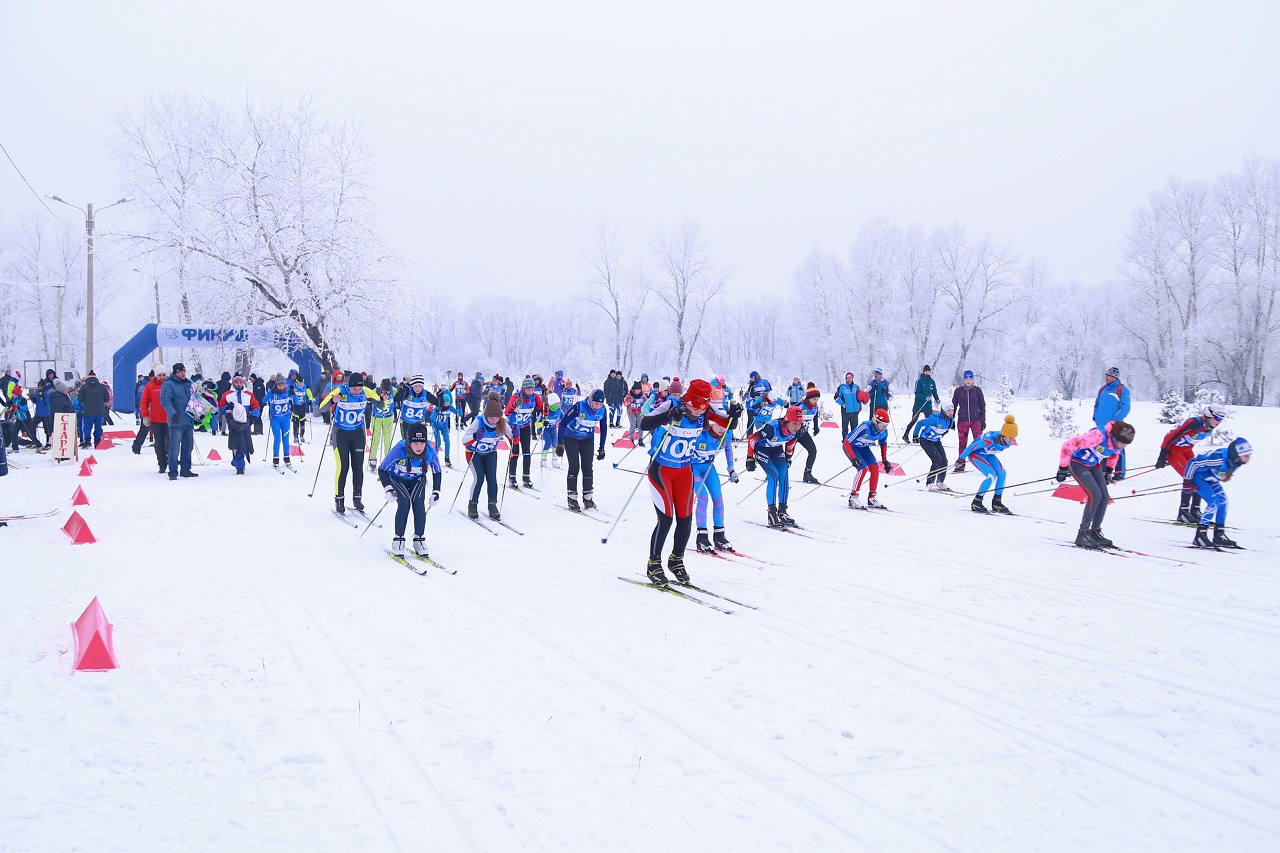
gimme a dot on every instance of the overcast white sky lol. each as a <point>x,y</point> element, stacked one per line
<point>505,131</point>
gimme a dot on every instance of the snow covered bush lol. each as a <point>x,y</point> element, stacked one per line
<point>1061,418</point>
<point>1004,393</point>
<point>1173,409</point>
<point>1223,435</point>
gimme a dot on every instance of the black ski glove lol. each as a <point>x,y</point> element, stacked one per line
<point>559,450</point>
<point>751,463</point>
<point>1161,462</point>
<point>1111,476</point>
<point>600,454</point>
<point>1061,476</point>
<point>735,409</point>
<point>886,465</point>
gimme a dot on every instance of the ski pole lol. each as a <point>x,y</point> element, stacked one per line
<point>320,464</point>
<point>460,482</point>
<point>1167,490</point>
<point>753,491</point>
<point>604,540</point>
<point>385,504</point>
<point>824,482</point>
<point>625,455</point>
<point>1014,486</point>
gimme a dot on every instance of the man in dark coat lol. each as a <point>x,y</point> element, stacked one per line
<point>93,406</point>
<point>174,397</point>
<point>259,391</point>
<point>220,419</point>
<point>474,392</point>
<point>926,396</point>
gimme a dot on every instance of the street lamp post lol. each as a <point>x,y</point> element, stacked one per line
<point>87,210</point>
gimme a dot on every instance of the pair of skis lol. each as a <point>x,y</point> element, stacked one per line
<point>345,518</point>
<point>689,592</point>
<point>485,521</point>
<point>426,561</point>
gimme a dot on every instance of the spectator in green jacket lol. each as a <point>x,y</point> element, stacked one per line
<point>926,396</point>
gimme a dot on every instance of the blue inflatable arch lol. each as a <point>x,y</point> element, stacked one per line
<point>124,364</point>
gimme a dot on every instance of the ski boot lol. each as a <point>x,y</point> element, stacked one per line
<point>704,542</point>
<point>784,518</point>
<point>357,504</point>
<point>288,464</point>
<point>1103,542</point>
<point>573,502</point>
<point>1194,513</point>
<point>419,546</point>
<point>675,565</point>
<point>397,546</point>
<point>340,505</point>
<point>588,500</point>
<point>239,470</point>
<point>527,482</point>
<point>958,469</point>
<point>854,501</point>
<point>1202,538</point>
<point>654,572</point>
<point>373,464</point>
<point>542,461</point>
<point>931,487</point>
<point>1184,515</point>
<point>774,520</point>
<point>275,462</point>
<point>493,511</point>
<point>979,506</point>
<point>942,488</point>
<point>720,541</point>
<point>447,462</point>
<point>998,507</point>
<point>809,478</point>
<point>555,462</point>
<point>511,482</point>
<point>1220,539</point>
<point>473,510</point>
<point>1084,539</point>
<point>873,502</point>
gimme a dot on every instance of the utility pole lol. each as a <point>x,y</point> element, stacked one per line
<point>87,210</point>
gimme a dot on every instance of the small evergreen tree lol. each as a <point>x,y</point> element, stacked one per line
<point>1061,417</point>
<point>1173,408</point>
<point>1004,393</point>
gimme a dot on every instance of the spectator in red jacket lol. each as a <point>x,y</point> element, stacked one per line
<point>154,418</point>
<point>971,414</point>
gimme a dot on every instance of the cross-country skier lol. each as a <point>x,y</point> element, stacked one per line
<point>635,402</point>
<point>926,397</point>
<point>481,439</point>
<point>413,403</point>
<point>577,424</point>
<point>1207,472</point>
<point>1091,458</point>
<point>279,406</point>
<point>1112,404</point>
<point>929,434</point>
<point>403,474</point>
<point>771,445</point>
<point>982,451</point>
<point>382,427</point>
<point>238,406</point>
<point>303,401</point>
<point>521,409</point>
<point>551,432</point>
<point>1176,450</point>
<point>460,394</point>
<point>857,447</point>
<point>706,477</point>
<point>441,424</point>
<point>348,403</point>
<point>971,415</point>
<point>810,411</point>
<point>762,408</point>
<point>670,474</point>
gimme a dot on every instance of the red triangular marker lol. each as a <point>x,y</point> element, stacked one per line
<point>77,530</point>
<point>92,636</point>
<point>214,456</point>
<point>830,425</point>
<point>86,470</point>
<point>91,460</point>
<point>79,498</point>
<point>624,443</point>
<point>105,444</point>
<point>295,450</point>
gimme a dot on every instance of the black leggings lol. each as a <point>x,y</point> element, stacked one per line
<point>299,423</point>
<point>848,422</point>
<point>579,452</point>
<point>937,460</point>
<point>1094,481</point>
<point>485,467</point>
<point>523,442</point>
<point>806,441</point>
<point>348,449</point>
<point>410,497</point>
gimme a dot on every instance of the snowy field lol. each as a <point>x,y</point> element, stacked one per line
<point>913,680</point>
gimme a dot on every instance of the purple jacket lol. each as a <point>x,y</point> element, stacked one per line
<point>971,406</point>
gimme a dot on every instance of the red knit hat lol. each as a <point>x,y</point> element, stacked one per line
<point>811,393</point>
<point>793,415</point>
<point>699,393</point>
<point>676,388</point>
<point>882,415</point>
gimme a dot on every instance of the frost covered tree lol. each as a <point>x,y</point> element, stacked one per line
<point>977,284</point>
<point>1173,409</point>
<point>1059,415</point>
<point>277,198</point>
<point>688,284</point>
<point>1004,393</point>
<point>620,296</point>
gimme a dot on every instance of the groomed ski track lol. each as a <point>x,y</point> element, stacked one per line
<point>947,683</point>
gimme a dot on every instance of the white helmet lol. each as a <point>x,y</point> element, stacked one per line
<point>553,400</point>
<point>1217,412</point>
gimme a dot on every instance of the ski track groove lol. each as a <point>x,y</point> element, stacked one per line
<point>308,618</point>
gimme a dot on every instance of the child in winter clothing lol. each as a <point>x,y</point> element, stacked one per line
<point>1091,458</point>
<point>982,451</point>
<point>929,434</point>
<point>857,447</point>
<point>403,474</point>
<point>1177,450</point>
<point>1207,472</point>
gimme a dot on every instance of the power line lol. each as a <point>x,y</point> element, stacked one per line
<point>33,190</point>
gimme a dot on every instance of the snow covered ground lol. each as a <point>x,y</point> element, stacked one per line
<point>915,680</point>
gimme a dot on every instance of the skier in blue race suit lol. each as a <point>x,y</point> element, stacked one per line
<point>982,451</point>
<point>403,474</point>
<point>1207,472</point>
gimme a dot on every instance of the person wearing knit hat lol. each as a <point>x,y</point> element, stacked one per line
<point>480,439</point>
<point>771,447</point>
<point>676,388</point>
<point>1112,404</point>
<point>811,411</point>
<point>577,425</point>
<point>155,423</point>
<point>403,474</point>
<point>522,409</point>
<point>670,475</point>
<point>1206,473</point>
<point>983,452</point>
<point>303,401</point>
<point>926,397</point>
<point>971,415</point>
<point>382,426</point>
<point>349,403</point>
<point>716,434</point>
<point>277,402</point>
<point>857,449</point>
<point>237,407</point>
<point>413,402</point>
<point>551,431</point>
<point>1091,458</point>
